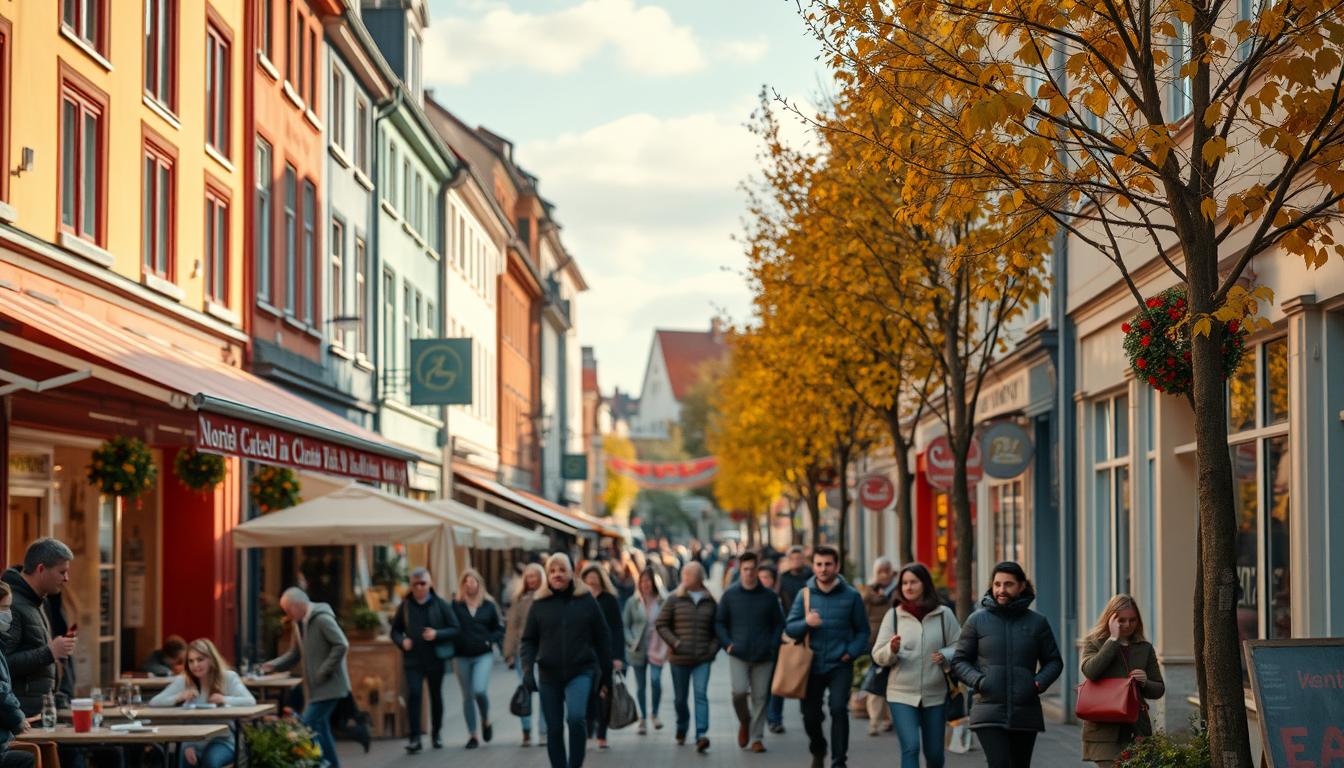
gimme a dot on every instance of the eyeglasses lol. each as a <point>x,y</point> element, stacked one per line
<point>419,583</point>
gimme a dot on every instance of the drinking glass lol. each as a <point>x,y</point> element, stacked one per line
<point>97,695</point>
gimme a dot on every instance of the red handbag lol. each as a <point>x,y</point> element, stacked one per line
<point>1110,700</point>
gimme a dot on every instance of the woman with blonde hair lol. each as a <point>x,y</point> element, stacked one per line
<point>595,577</point>
<point>1117,648</point>
<point>567,639</point>
<point>644,647</point>
<point>524,590</point>
<point>206,679</point>
<point>480,628</point>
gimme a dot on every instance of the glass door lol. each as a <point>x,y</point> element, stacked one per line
<point>109,586</point>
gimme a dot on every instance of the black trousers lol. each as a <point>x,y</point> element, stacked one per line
<point>1005,748</point>
<point>416,677</point>
<point>15,759</point>
<point>837,682</point>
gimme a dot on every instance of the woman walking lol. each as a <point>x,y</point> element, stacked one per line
<point>644,647</point>
<point>480,628</point>
<point>1007,654</point>
<point>525,588</point>
<point>206,680</point>
<point>595,577</point>
<point>1116,648</point>
<point>566,637</point>
<point>915,639</point>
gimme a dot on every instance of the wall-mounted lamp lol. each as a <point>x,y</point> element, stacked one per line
<point>26,161</point>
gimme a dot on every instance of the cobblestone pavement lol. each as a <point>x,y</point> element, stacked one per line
<point>1057,748</point>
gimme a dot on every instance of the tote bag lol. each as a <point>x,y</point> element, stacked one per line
<point>623,711</point>
<point>794,664</point>
<point>1110,700</point>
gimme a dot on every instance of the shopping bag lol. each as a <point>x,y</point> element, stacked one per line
<point>794,663</point>
<point>621,704</point>
<point>520,705</point>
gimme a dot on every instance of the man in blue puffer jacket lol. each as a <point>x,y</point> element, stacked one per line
<point>831,613</point>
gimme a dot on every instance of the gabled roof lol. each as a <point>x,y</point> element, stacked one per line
<point>685,352</point>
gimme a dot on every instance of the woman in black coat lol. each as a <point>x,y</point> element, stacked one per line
<point>568,641</point>
<point>599,584</point>
<point>479,627</point>
<point>1008,656</point>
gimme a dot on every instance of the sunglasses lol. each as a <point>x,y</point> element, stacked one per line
<point>419,583</point>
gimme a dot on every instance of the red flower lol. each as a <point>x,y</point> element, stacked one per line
<point>1146,340</point>
<point>1180,303</point>
<point>1145,324</point>
<point>1186,356</point>
<point>1124,327</point>
<point>1232,326</point>
<point>1174,314</point>
<point>1154,303</point>
<point>1141,363</point>
<point>1171,362</point>
<point>1152,381</point>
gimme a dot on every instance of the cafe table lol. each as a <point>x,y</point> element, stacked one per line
<point>276,684</point>
<point>167,740</point>
<point>235,717</point>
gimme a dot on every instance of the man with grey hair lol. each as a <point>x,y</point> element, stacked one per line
<point>32,653</point>
<point>424,628</point>
<point>686,624</point>
<point>877,597</point>
<point>321,646</point>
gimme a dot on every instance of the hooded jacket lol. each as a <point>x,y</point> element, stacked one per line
<point>411,620</point>
<point>565,636</point>
<point>751,622</point>
<point>32,668</point>
<point>1007,654</point>
<point>844,624</point>
<point>321,645</point>
<point>688,628</point>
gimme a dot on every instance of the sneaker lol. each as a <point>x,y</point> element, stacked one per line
<point>701,745</point>
<point>872,730</point>
<point>757,747</point>
<point>473,743</point>
<point>602,744</point>
<point>657,724</point>
<point>776,727</point>
<point>743,735</point>
<point>527,739</point>
<point>643,728</point>
<point>681,739</point>
<point>487,732</point>
<point>818,761</point>
<point>414,747</point>
<point>436,742</point>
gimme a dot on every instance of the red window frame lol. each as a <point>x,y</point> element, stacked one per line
<point>6,35</point>
<point>75,22</point>
<point>89,101</point>
<point>151,52</point>
<point>164,157</point>
<point>218,82</point>
<point>218,240</point>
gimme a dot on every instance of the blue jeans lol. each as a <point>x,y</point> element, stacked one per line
<point>527,721</point>
<point>317,716</point>
<point>473,676</point>
<point>912,723</point>
<point>213,754</point>
<point>774,711</point>
<point>646,674</point>
<point>682,677</point>
<point>564,706</point>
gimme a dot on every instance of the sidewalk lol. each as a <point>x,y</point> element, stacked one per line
<point>1058,747</point>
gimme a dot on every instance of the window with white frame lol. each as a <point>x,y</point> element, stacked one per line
<point>361,296</point>
<point>1111,483</point>
<point>337,277</point>
<point>1181,94</point>
<point>1261,471</point>
<point>362,131</point>
<point>1007,506</point>
<point>336,116</point>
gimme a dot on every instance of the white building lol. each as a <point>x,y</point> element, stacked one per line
<point>675,363</point>
<point>561,365</point>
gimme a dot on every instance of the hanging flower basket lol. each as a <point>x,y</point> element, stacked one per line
<point>199,471</point>
<point>123,466</point>
<point>274,488</point>
<point>1157,343</point>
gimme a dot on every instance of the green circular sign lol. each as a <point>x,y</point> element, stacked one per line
<point>438,367</point>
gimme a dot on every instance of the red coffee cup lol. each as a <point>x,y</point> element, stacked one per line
<point>81,713</point>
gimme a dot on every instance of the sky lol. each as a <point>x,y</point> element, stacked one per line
<point>633,115</point>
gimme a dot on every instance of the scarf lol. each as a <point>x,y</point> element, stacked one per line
<point>918,611</point>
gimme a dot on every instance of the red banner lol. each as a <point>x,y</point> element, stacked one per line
<point>230,437</point>
<point>666,475</point>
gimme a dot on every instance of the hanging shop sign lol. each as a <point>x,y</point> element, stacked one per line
<point>666,475</point>
<point>574,466</point>
<point>440,372</point>
<point>1008,450</point>
<point>939,463</point>
<point>876,492</point>
<point>231,437</point>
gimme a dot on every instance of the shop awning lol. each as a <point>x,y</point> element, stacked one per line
<point>237,413</point>
<point>533,507</point>
<point>509,535</point>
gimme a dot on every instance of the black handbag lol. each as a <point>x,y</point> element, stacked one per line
<point>954,708</point>
<point>875,680</point>
<point>520,704</point>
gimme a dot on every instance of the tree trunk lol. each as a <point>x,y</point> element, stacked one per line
<point>1229,738</point>
<point>905,485</point>
<point>965,556</point>
<point>843,543</point>
<point>753,530</point>
<point>1201,678</point>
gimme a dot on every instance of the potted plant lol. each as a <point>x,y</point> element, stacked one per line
<point>199,471</point>
<point>281,743</point>
<point>363,623</point>
<point>123,466</point>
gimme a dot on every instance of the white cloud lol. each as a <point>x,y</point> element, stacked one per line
<point>744,51</point>
<point>645,38</point>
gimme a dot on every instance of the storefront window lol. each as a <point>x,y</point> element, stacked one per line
<point>1111,486</point>
<point>1006,503</point>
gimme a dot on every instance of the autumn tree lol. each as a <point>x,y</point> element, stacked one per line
<point>619,495</point>
<point>1193,134</point>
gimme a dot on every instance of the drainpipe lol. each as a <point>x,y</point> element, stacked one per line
<point>380,365</point>
<point>1066,444</point>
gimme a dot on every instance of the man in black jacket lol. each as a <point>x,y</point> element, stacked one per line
<point>424,628</point>
<point>31,651</point>
<point>749,623</point>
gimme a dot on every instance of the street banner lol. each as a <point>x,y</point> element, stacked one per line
<point>666,475</point>
<point>440,372</point>
<point>231,437</point>
<point>1299,694</point>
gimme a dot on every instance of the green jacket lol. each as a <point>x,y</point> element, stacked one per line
<point>322,647</point>
<point>1105,741</point>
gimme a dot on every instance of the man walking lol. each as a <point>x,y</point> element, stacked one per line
<point>793,576</point>
<point>424,627</point>
<point>832,613</point>
<point>321,646</point>
<point>686,624</point>
<point>34,656</point>
<point>749,624</point>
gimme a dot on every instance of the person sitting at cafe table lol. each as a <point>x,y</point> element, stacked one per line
<point>168,660</point>
<point>206,680</point>
<point>12,721</point>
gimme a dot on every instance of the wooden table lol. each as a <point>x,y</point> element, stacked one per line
<point>234,717</point>
<point>278,683</point>
<point>166,739</point>
<point>151,684</point>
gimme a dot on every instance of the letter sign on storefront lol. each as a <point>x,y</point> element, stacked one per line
<point>230,437</point>
<point>1299,693</point>
<point>1007,449</point>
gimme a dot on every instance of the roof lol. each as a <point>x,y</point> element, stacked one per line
<point>589,379</point>
<point>685,353</point>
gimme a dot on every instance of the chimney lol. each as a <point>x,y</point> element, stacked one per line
<point>716,328</point>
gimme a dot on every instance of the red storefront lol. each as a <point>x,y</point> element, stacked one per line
<point>935,525</point>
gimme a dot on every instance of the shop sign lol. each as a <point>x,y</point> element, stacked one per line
<point>939,464</point>
<point>440,372</point>
<point>230,437</point>
<point>876,492</point>
<point>30,466</point>
<point>1297,684</point>
<point>1012,394</point>
<point>1008,450</point>
<point>574,466</point>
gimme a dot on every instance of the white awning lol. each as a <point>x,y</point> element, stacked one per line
<point>502,533</point>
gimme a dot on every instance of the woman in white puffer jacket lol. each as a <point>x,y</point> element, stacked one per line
<point>916,640</point>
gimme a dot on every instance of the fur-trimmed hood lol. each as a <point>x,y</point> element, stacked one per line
<point>544,591</point>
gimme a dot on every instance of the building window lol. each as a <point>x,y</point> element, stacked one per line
<point>309,247</point>
<point>312,71</point>
<point>405,206</point>
<point>296,61</point>
<point>388,356</point>
<point>291,238</point>
<point>337,276</point>
<point>265,243</point>
<point>391,180</point>
<point>336,119</point>
<point>362,134</point>
<point>418,210</point>
<point>87,20</point>
<point>5,111</point>
<point>289,44</point>
<point>1111,485</point>
<point>413,64</point>
<point>82,163</point>
<point>161,51</point>
<point>407,330</point>
<point>157,210</point>
<point>264,35</point>
<point>1261,470</point>
<point>216,246</point>
<point>418,317</point>
<point>1007,503</point>
<point>218,89</point>
<point>361,297</point>
<point>1181,94</point>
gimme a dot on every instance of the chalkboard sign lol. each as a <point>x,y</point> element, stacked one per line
<point>1299,692</point>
